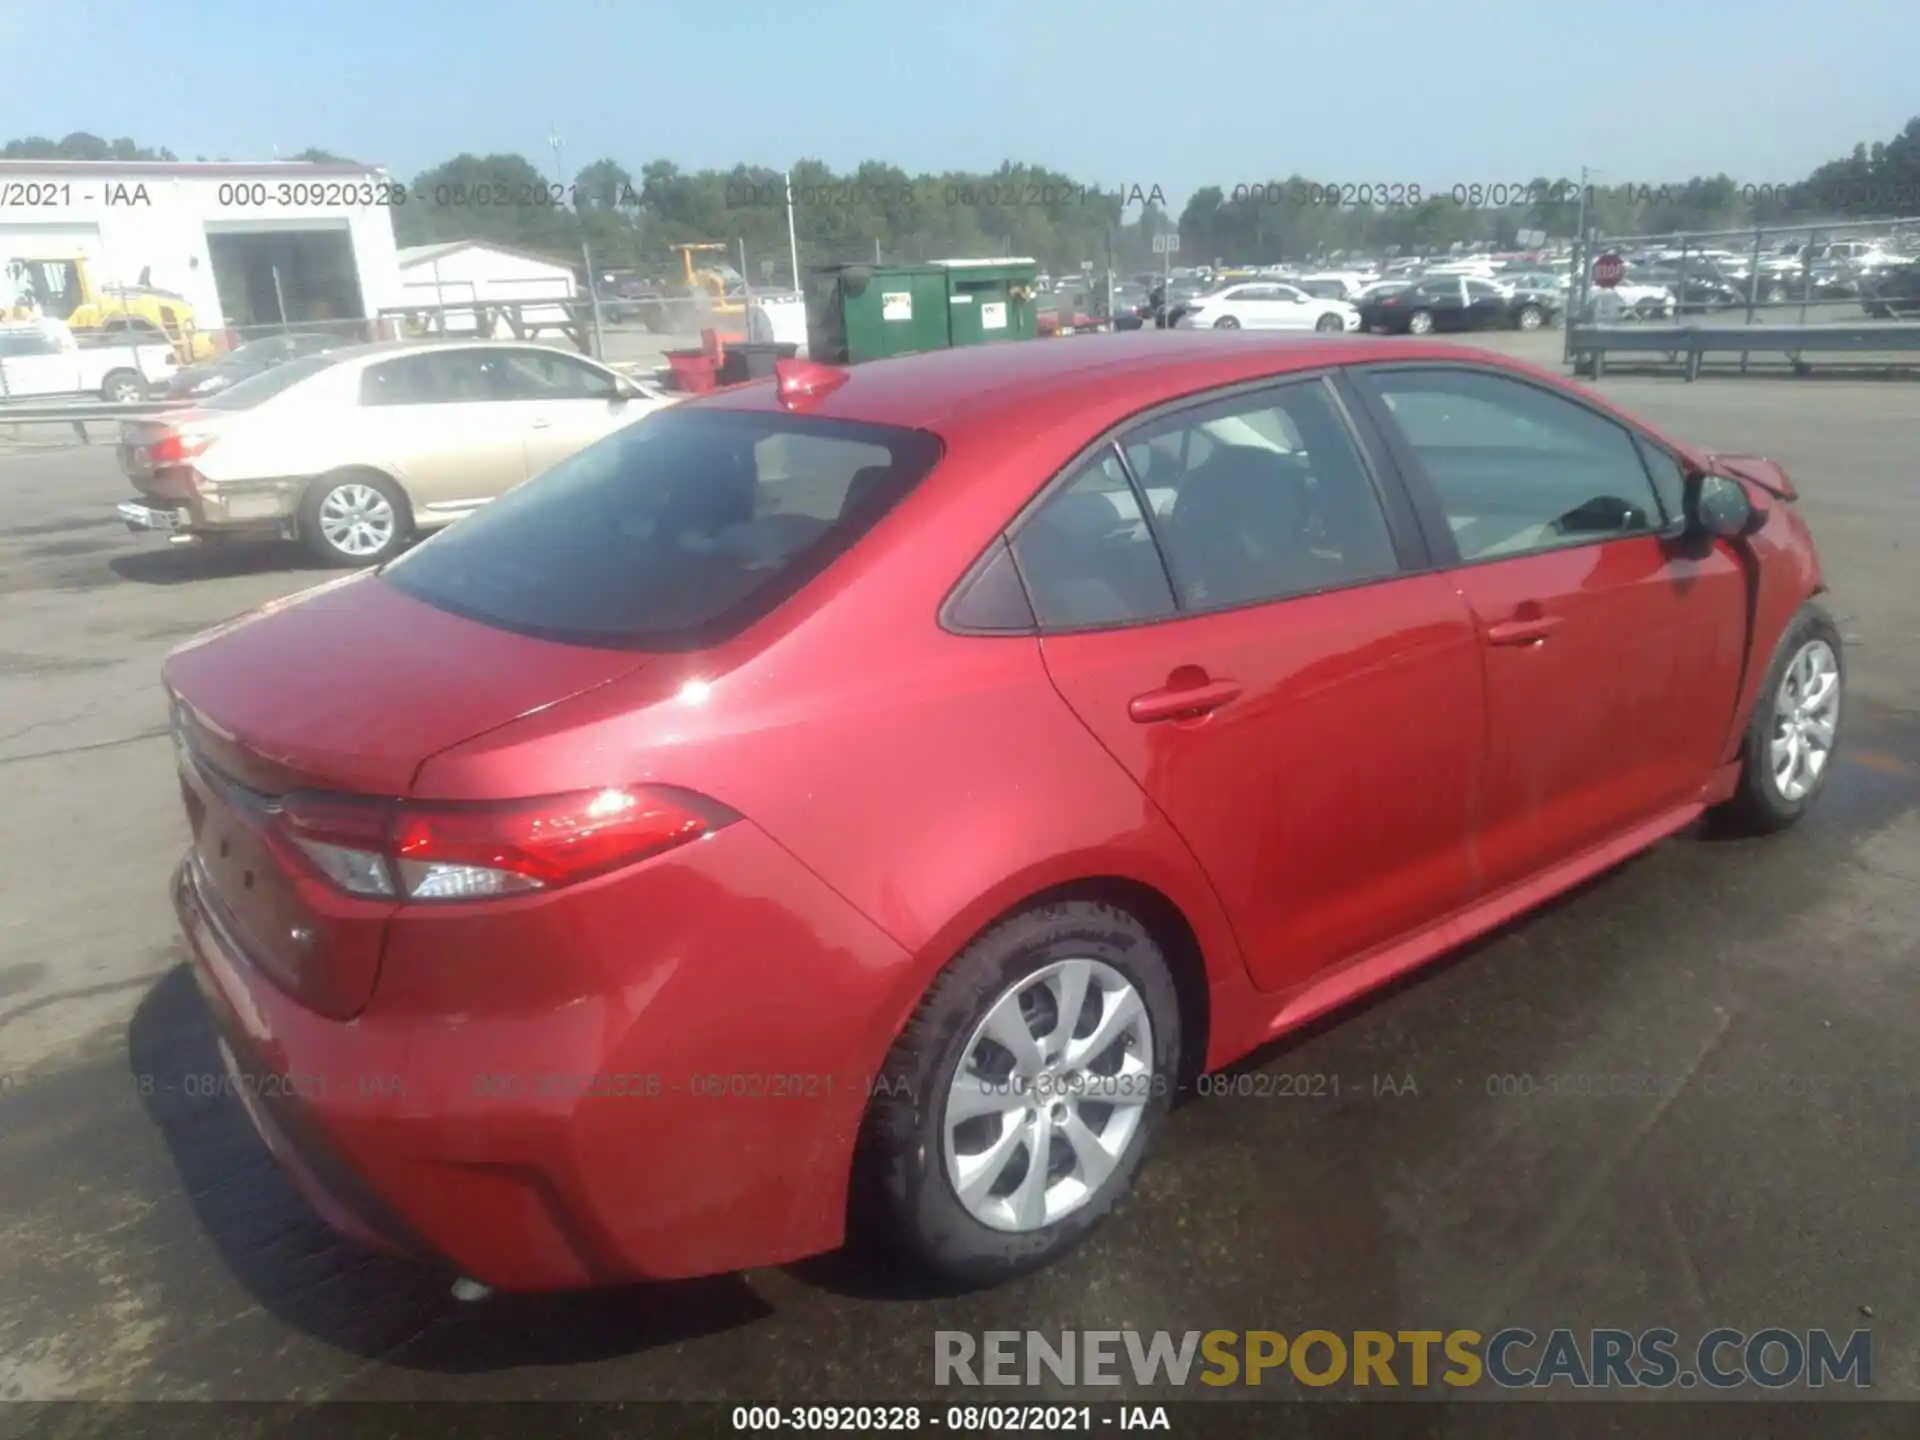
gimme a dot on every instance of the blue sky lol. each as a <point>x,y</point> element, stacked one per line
<point>1391,92</point>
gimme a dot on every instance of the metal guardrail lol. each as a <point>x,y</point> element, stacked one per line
<point>1588,345</point>
<point>21,413</point>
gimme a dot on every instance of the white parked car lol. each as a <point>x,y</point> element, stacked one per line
<point>1335,284</point>
<point>1267,305</point>
<point>356,451</point>
<point>42,359</point>
<point>1629,300</point>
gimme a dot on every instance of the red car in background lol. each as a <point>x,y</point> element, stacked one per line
<point>860,800</point>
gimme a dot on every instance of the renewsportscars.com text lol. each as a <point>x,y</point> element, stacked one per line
<point>1512,1358</point>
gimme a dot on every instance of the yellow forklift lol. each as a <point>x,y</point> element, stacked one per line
<point>60,287</point>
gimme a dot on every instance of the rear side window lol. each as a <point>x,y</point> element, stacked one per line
<point>1088,555</point>
<point>672,533</point>
<point>255,389</point>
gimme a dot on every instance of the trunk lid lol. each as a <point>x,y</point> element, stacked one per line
<point>345,689</point>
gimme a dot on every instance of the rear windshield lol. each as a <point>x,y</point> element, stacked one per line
<point>671,534</point>
<point>245,394</point>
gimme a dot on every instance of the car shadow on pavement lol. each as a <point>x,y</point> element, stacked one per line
<point>335,1290</point>
<point>185,564</point>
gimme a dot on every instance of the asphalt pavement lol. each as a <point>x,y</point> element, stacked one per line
<point>149,1249</point>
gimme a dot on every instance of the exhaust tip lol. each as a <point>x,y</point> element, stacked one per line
<point>470,1292</point>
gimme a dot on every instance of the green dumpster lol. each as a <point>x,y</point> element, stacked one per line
<point>865,312</point>
<point>991,300</point>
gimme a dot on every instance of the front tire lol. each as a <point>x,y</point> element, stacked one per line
<point>1330,325</point>
<point>1795,730</point>
<point>1532,317</point>
<point>354,518</point>
<point>989,1150</point>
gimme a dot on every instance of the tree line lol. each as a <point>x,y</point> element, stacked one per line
<point>632,219</point>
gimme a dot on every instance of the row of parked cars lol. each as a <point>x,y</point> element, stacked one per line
<point>1662,283</point>
<point>1441,297</point>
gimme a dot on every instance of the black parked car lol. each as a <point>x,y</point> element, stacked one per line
<point>1892,293</point>
<point>1701,293</point>
<point>209,377</point>
<point>1453,302</point>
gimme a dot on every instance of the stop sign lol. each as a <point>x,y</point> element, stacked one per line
<point>1609,270</point>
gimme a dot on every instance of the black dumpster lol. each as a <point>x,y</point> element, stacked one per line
<point>753,360</point>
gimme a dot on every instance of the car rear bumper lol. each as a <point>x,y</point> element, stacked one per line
<point>693,1113</point>
<point>173,501</point>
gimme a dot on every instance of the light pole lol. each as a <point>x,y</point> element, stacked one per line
<point>557,142</point>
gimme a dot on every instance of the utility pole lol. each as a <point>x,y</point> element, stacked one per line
<point>557,142</point>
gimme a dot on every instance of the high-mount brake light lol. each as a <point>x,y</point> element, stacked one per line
<point>799,381</point>
<point>425,850</point>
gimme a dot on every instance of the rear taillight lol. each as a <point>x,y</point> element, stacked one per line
<point>414,850</point>
<point>176,447</point>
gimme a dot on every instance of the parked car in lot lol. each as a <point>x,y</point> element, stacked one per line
<point>1457,302</point>
<point>44,360</point>
<point>208,377</point>
<point>357,451</point>
<point>1266,305</point>
<point>864,798</point>
<point>1893,293</point>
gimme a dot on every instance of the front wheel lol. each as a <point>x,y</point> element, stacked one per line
<point>1790,742</point>
<point>1018,1103</point>
<point>1532,317</point>
<point>1330,325</point>
<point>354,518</point>
<point>1226,322</point>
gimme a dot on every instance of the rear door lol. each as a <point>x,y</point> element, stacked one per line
<point>1612,649</point>
<point>1263,658</point>
<point>565,404</point>
<point>1486,306</point>
<point>432,419</point>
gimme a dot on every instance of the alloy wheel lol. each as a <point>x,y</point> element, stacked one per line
<point>357,520</point>
<point>1806,716</point>
<point>1049,1091</point>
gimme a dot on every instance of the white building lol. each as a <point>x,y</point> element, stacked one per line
<point>473,272</point>
<point>244,244</point>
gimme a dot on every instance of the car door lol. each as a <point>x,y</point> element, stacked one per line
<point>33,362</point>
<point>564,403</point>
<point>1255,306</point>
<point>1612,646</point>
<point>430,419</point>
<point>1293,309</point>
<point>1447,298</point>
<point>1485,306</point>
<point>1268,660</point>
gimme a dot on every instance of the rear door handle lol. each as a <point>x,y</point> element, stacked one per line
<point>1187,703</point>
<point>1523,632</point>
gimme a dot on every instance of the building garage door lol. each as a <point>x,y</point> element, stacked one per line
<point>285,275</point>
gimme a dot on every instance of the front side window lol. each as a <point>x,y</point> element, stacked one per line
<point>1514,468</point>
<point>454,376</point>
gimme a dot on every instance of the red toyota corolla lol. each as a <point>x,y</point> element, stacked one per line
<point>861,799</point>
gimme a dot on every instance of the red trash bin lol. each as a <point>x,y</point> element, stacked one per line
<point>693,370</point>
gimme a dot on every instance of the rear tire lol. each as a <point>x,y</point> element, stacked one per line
<point>354,518</point>
<point>1762,804</point>
<point>1420,322</point>
<point>1226,322</point>
<point>123,387</point>
<point>905,1193</point>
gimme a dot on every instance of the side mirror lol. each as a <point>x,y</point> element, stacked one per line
<point>624,389</point>
<point>1718,507</point>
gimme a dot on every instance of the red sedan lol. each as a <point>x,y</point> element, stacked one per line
<point>860,800</point>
